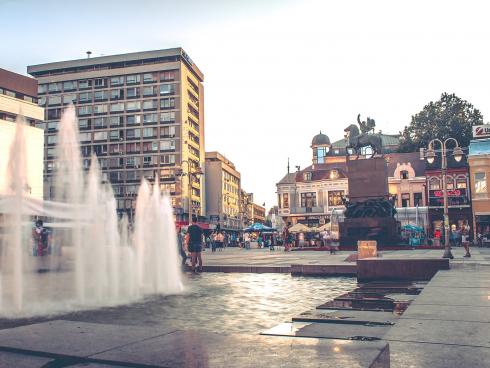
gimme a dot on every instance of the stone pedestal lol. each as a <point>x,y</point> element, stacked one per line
<point>367,249</point>
<point>368,178</point>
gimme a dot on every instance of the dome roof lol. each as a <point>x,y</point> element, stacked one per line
<point>320,139</point>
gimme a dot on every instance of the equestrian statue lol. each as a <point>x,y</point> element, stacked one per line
<point>357,141</point>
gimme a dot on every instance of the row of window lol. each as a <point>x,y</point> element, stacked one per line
<point>165,117</point>
<point>132,190</point>
<point>458,183</point>
<point>20,96</point>
<point>117,148</point>
<point>309,200</point>
<point>106,82</point>
<point>168,159</point>
<point>113,95</point>
<point>165,132</point>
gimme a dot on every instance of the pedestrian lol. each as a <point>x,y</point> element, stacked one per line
<point>182,246</point>
<point>220,238</point>
<point>40,236</point>
<point>194,244</point>
<point>246,239</point>
<point>465,239</point>
<point>213,241</point>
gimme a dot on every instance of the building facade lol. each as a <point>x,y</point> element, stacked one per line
<point>458,192</point>
<point>479,163</point>
<point>223,188</point>
<point>407,186</point>
<point>246,208</point>
<point>141,114</point>
<point>258,214</point>
<point>18,96</point>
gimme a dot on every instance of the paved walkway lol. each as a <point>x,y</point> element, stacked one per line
<point>448,324</point>
<point>264,257</point>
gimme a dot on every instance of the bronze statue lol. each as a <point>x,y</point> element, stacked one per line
<point>357,141</point>
<point>366,126</point>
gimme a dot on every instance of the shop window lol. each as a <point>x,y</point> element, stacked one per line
<point>335,197</point>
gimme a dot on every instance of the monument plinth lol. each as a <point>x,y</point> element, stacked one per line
<point>369,213</point>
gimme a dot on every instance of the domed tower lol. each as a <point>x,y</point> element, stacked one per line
<point>320,146</point>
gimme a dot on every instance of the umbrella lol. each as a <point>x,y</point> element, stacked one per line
<point>258,227</point>
<point>299,228</point>
<point>327,227</point>
<point>413,228</point>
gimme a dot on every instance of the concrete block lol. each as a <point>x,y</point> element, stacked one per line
<point>399,269</point>
<point>79,339</point>
<point>448,313</point>
<point>441,332</point>
<point>367,249</point>
<point>329,331</point>
<point>206,349</point>
<point>346,317</point>
<point>417,355</point>
<point>323,270</point>
<point>8,359</point>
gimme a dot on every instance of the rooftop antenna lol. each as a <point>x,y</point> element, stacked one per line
<point>88,54</point>
<point>288,165</point>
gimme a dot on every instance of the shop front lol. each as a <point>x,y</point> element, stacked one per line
<point>458,216</point>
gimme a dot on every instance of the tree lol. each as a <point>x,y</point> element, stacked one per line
<point>449,117</point>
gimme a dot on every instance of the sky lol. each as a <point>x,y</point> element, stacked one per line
<point>277,72</point>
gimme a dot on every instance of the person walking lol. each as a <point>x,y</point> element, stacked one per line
<point>465,239</point>
<point>246,239</point>
<point>220,238</point>
<point>182,246</point>
<point>213,241</point>
<point>194,244</point>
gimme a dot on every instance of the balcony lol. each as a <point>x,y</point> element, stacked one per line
<point>305,210</point>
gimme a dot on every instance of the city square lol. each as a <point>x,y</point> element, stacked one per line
<point>244,184</point>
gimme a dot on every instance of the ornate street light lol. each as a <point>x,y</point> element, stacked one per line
<point>196,172</point>
<point>430,157</point>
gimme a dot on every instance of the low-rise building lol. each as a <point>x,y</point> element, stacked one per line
<point>479,163</point>
<point>258,213</point>
<point>458,193</point>
<point>18,96</point>
<point>407,185</point>
<point>223,188</point>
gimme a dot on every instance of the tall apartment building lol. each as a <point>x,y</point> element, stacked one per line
<point>223,187</point>
<point>18,95</point>
<point>141,113</point>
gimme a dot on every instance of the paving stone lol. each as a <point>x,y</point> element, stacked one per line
<point>74,338</point>
<point>346,317</point>
<point>417,355</point>
<point>201,349</point>
<point>441,332</point>
<point>451,297</point>
<point>328,330</point>
<point>448,313</point>
<point>8,359</point>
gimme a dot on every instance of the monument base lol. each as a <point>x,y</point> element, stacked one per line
<point>385,230</point>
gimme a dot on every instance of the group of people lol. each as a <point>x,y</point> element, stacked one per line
<point>461,237</point>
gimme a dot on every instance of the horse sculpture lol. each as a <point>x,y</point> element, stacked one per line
<point>357,141</point>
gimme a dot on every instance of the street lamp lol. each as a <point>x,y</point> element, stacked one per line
<point>430,157</point>
<point>198,171</point>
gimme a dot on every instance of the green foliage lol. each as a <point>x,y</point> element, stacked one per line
<point>449,117</point>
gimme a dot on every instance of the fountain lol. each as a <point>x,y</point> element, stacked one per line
<point>95,260</point>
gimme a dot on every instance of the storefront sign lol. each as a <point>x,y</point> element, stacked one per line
<point>455,197</point>
<point>481,131</point>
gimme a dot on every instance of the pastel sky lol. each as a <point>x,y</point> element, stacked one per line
<point>277,71</point>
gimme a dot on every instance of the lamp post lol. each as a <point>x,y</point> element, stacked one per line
<point>190,174</point>
<point>430,157</point>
